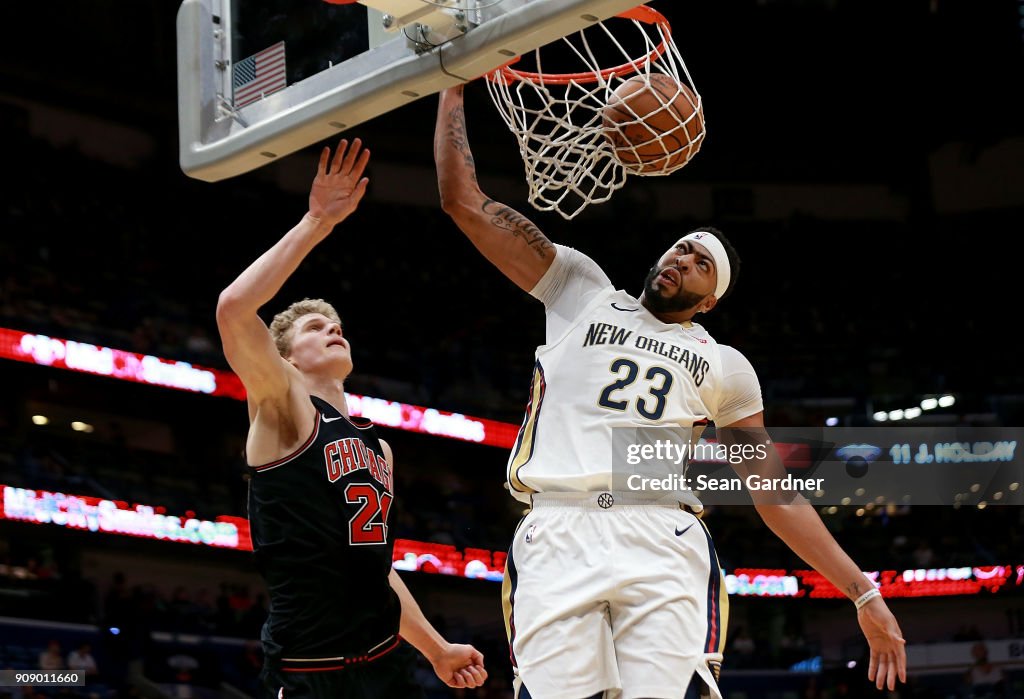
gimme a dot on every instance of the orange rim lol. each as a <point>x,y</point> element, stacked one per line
<point>643,13</point>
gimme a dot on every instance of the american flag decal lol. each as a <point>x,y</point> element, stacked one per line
<point>259,75</point>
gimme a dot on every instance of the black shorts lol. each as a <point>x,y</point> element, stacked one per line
<point>387,677</point>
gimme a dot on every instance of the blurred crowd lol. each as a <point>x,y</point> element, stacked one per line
<point>190,639</point>
<point>432,322</point>
<point>453,493</point>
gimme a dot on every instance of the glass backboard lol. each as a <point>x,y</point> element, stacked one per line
<point>259,79</point>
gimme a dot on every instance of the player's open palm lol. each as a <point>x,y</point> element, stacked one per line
<point>339,184</point>
<point>888,649</point>
<point>460,666</point>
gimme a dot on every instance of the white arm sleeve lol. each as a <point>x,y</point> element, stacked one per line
<point>741,391</point>
<point>572,281</point>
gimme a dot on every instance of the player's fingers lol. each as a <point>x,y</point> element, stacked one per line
<point>476,657</point>
<point>478,674</point>
<point>893,671</point>
<point>880,677</point>
<point>872,666</point>
<point>898,659</point>
<point>360,165</point>
<point>360,190</point>
<point>350,157</point>
<point>325,154</point>
<point>456,680</point>
<point>472,681</point>
<point>339,155</point>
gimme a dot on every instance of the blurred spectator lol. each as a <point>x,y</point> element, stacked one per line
<point>117,603</point>
<point>223,615</point>
<point>199,344</point>
<point>81,659</point>
<point>249,667</point>
<point>184,668</point>
<point>743,647</point>
<point>923,555</point>
<point>792,646</point>
<point>984,680</point>
<point>40,570</point>
<point>51,658</point>
<point>203,609</point>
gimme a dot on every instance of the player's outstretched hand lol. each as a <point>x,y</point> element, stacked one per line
<point>339,184</point>
<point>888,649</point>
<point>460,666</point>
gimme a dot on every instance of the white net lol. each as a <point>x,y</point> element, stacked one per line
<point>582,130</point>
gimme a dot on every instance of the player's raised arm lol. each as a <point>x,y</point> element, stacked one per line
<point>248,345</point>
<point>503,235</point>
<point>797,523</point>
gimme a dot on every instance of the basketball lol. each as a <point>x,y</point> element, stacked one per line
<point>655,127</point>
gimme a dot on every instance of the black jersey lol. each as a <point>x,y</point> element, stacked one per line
<point>319,524</point>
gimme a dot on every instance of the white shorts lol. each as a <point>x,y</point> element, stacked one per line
<point>626,599</point>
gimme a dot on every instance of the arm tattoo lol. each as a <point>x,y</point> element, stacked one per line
<point>853,589</point>
<point>517,224</point>
<point>457,136</point>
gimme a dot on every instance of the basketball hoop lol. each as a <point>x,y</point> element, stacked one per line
<point>573,155</point>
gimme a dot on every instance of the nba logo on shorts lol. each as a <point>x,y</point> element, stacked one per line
<point>529,533</point>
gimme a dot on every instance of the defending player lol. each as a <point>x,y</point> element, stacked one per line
<point>605,592</point>
<point>322,483</point>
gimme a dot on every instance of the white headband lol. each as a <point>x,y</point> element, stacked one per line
<point>718,254</point>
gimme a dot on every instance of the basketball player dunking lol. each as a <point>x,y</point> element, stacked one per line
<point>322,483</point>
<point>604,592</point>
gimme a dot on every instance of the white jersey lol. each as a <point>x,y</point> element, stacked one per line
<point>609,363</point>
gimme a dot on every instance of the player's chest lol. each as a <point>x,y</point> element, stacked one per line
<point>638,367</point>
